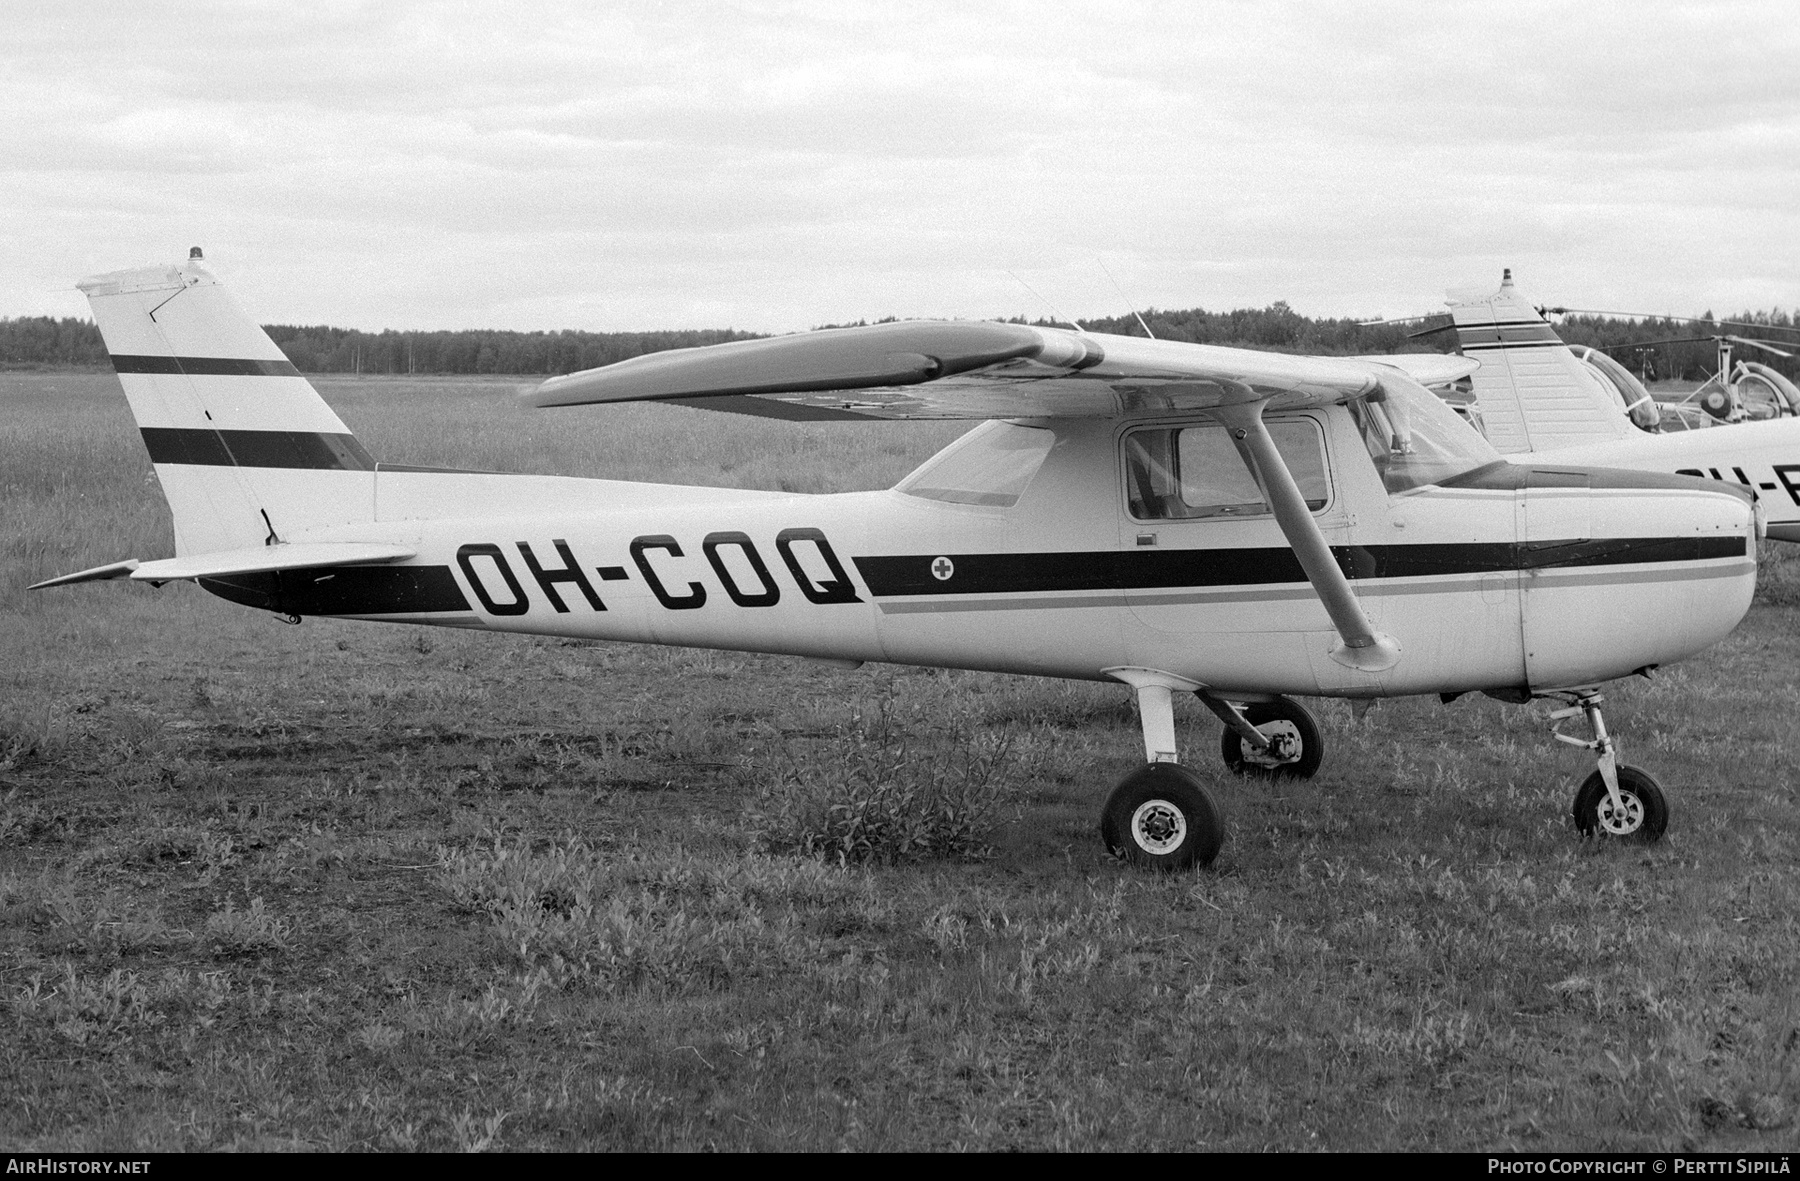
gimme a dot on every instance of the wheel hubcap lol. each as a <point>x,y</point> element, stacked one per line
<point>1158,827</point>
<point>1284,745</point>
<point>1621,821</point>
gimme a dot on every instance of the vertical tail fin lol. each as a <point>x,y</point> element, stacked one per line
<point>1534,394</point>
<point>246,450</point>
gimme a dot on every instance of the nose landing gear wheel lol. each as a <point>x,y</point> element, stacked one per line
<point>1642,819</point>
<point>1295,750</point>
<point>1162,817</point>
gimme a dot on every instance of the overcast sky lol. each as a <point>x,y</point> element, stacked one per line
<point>774,166</point>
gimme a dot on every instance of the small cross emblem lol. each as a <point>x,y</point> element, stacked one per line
<point>942,569</point>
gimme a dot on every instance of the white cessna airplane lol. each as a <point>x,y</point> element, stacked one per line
<point>1240,525</point>
<point>1537,396</point>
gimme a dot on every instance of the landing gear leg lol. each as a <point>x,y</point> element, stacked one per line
<point>1161,816</point>
<point>1276,739</point>
<point>1620,802</point>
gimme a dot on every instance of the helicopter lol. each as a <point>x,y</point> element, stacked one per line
<point>1736,391</point>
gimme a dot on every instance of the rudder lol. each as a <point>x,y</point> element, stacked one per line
<point>1534,393</point>
<point>246,450</point>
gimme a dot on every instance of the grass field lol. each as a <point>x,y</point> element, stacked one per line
<point>351,886</point>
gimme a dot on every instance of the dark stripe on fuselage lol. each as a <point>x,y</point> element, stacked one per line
<point>1621,551</point>
<point>299,449</point>
<point>977,574</point>
<point>420,590</point>
<point>203,366</point>
<point>345,590</point>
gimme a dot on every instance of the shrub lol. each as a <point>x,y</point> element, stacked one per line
<point>884,791</point>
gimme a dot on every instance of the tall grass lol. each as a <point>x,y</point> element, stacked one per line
<point>581,917</point>
<point>1778,574</point>
<point>892,784</point>
<point>75,482</point>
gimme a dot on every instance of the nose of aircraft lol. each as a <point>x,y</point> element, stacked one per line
<point>1673,557</point>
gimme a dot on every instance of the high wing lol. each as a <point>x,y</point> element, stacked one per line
<point>963,369</point>
<point>1428,369</point>
<point>977,369</point>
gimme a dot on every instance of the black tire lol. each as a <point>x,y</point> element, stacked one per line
<point>1301,730</point>
<point>1162,817</point>
<point>1647,813</point>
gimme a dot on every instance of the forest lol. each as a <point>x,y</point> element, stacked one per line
<point>42,341</point>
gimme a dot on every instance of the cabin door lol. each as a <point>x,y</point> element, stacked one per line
<point>1200,552</point>
<point>1554,526</point>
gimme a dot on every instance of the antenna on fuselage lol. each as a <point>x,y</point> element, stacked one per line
<point>1053,312</point>
<point>1126,298</point>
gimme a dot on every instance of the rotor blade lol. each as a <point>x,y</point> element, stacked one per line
<point>1645,344</point>
<point>1758,344</point>
<point>1398,319</point>
<point>1673,319</point>
<point>1627,315</point>
<point>1762,327</point>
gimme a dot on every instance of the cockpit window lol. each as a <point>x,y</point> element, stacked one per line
<point>1617,382</point>
<point>1415,439</point>
<point>991,465</point>
<point>1174,473</point>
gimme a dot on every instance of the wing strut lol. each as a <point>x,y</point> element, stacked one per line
<point>1362,647</point>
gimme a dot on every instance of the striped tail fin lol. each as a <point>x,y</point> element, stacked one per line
<point>1534,393</point>
<point>245,449</point>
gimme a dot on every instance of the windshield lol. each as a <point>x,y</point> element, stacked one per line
<point>1766,393</point>
<point>1631,393</point>
<point>1415,439</point>
<point>991,465</point>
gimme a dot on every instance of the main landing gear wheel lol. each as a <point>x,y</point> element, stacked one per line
<point>1162,817</point>
<point>1640,821</point>
<point>1295,747</point>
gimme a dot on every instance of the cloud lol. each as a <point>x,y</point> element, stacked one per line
<point>775,165</point>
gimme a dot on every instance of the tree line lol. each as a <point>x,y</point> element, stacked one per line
<point>41,340</point>
<point>74,342</point>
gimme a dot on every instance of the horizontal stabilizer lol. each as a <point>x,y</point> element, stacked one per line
<point>97,574</point>
<point>261,559</point>
<point>258,560</point>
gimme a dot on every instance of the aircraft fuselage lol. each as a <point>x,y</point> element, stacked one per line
<point>1486,582</point>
